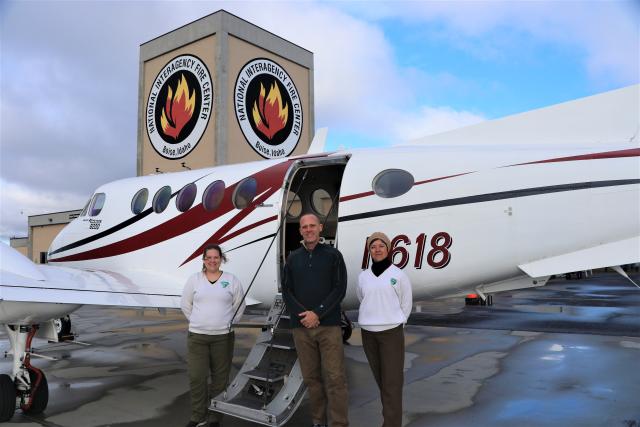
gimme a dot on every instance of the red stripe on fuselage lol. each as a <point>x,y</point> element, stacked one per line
<point>632,152</point>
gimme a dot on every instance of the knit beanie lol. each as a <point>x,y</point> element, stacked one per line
<point>379,236</point>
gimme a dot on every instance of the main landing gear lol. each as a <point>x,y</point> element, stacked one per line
<point>26,388</point>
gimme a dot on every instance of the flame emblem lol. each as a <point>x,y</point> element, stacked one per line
<point>178,109</point>
<point>269,115</point>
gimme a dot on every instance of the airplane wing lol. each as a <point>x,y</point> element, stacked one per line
<point>69,286</point>
<point>23,281</point>
<point>620,252</point>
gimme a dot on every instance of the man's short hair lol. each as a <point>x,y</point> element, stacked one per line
<point>312,214</point>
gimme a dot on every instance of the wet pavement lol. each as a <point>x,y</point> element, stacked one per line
<point>566,354</point>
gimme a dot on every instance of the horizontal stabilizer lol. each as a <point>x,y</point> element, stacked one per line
<point>621,252</point>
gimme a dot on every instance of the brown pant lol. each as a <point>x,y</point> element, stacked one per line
<point>208,353</point>
<point>385,353</point>
<point>321,358</point>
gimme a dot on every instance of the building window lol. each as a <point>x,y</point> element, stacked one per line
<point>212,196</point>
<point>161,199</point>
<point>139,201</point>
<point>186,196</point>
<point>97,204</point>
<point>392,183</point>
<point>245,192</point>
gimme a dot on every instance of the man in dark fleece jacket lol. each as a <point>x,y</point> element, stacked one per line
<point>315,282</point>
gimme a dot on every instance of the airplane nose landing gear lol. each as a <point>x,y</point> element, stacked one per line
<point>29,389</point>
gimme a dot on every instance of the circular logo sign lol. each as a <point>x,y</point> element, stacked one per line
<point>179,106</point>
<point>268,108</point>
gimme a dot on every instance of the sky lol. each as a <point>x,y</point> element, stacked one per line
<point>385,72</point>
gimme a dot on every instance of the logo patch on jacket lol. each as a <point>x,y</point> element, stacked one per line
<point>224,283</point>
<point>393,281</point>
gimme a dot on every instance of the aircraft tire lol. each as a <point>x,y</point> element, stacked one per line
<point>40,395</point>
<point>7,398</point>
<point>346,326</point>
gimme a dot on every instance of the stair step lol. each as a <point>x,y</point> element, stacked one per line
<point>265,375</point>
<point>284,323</point>
<point>282,340</point>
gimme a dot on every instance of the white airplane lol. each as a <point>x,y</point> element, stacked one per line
<point>462,219</point>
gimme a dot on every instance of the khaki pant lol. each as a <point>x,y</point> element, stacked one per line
<point>321,357</point>
<point>385,353</point>
<point>208,353</point>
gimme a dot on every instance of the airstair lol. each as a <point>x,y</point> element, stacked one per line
<point>269,387</point>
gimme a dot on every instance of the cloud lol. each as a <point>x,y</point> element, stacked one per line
<point>606,32</point>
<point>18,201</point>
<point>432,120</point>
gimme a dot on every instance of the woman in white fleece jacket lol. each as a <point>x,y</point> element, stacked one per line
<point>209,300</point>
<point>385,298</point>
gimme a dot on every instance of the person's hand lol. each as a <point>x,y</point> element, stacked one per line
<point>309,319</point>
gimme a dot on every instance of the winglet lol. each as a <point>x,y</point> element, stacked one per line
<point>317,145</point>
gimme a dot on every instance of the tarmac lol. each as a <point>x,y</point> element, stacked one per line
<point>566,354</point>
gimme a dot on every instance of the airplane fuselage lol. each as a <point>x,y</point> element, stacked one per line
<point>471,216</point>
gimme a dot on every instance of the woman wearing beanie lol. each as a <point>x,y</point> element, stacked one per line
<point>385,298</point>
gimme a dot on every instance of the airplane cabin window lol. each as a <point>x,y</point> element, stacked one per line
<point>186,196</point>
<point>244,193</point>
<point>294,205</point>
<point>161,199</point>
<point>321,201</point>
<point>392,183</point>
<point>212,196</point>
<point>139,201</point>
<point>97,204</point>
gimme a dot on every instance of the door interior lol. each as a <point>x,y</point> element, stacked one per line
<point>313,187</point>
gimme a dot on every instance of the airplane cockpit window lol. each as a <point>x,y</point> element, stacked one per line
<point>161,199</point>
<point>186,196</point>
<point>245,192</point>
<point>295,209</point>
<point>85,209</point>
<point>97,204</point>
<point>321,201</point>
<point>139,201</point>
<point>392,183</point>
<point>212,196</point>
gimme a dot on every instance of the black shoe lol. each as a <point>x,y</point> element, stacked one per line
<point>214,424</point>
<point>197,423</point>
<point>319,425</point>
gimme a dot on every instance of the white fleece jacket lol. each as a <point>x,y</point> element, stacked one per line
<point>385,300</point>
<point>209,307</point>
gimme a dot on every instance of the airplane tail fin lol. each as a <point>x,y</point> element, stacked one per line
<point>320,138</point>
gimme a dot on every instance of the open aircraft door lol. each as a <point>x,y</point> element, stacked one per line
<point>269,387</point>
<point>311,185</point>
